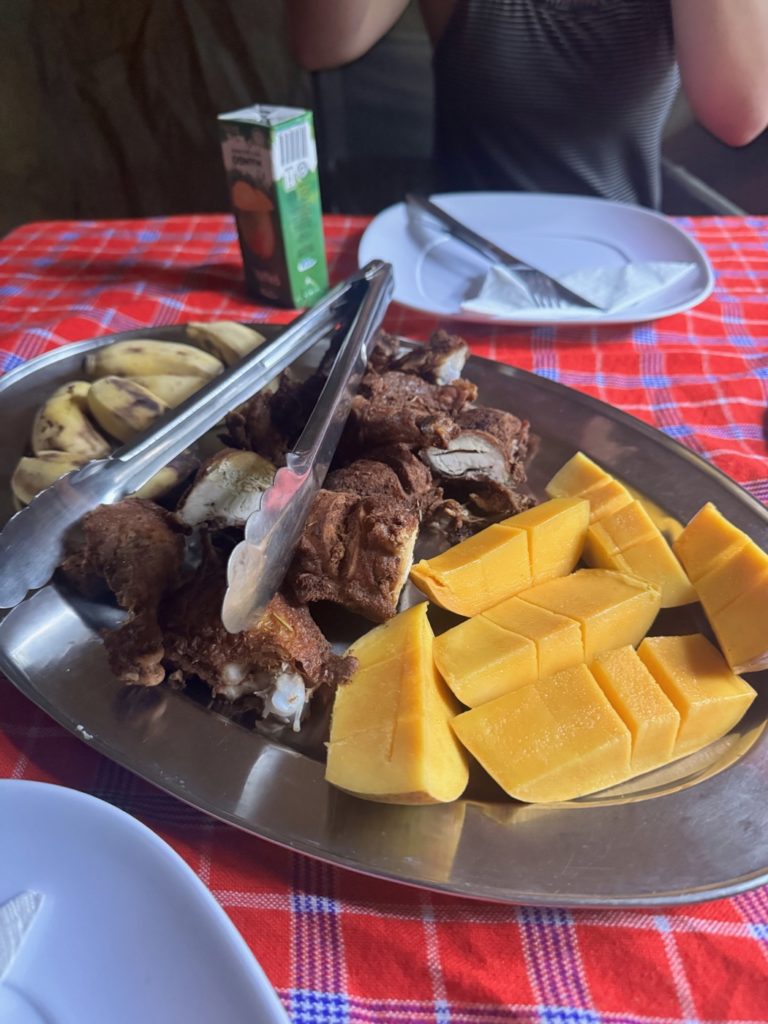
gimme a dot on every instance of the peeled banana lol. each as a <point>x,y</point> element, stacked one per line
<point>62,424</point>
<point>226,339</point>
<point>171,388</point>
<point>170,477</point>
<point>33,474</point>
<point>123,408</point>
<point>147,356</point>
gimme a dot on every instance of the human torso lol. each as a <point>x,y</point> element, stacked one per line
<point>553,95</point>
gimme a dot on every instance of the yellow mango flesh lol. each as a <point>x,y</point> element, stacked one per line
<point>730,574</point>
<point>707,538</point>
<point>556,532</point>
<point>478,572</point>
<point>695,677</point>
<point>583,478</point>
<point>643,706</point>
<point>557,637</point>
<point>742,629</point>
<point>612,609</point>
<point>552,740</point>
<point>391,738</point>
<point>732,577</point>
<point>628,540</point>
<point>480,660</point>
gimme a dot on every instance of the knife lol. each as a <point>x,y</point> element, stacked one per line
<point>259,563</point>
<point>32,542</point>
<point>495,253</point>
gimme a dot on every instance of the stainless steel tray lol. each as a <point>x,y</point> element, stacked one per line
<point>692,831</point>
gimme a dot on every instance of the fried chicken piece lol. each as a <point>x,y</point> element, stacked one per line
<point>440,360</point>
<point>355,552</point>
<point>270,423</point>
<point>392,407</point>
<point>135,549</point>
<point>283,659</point>
<point>393,471</point>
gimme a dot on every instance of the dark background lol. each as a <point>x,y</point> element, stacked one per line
<point>108,109</point>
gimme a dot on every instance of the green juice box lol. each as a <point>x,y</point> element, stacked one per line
<point>270,160</point>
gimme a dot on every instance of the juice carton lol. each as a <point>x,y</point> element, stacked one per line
<point>271,164</point>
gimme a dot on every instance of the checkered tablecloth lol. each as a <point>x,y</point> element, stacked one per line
<point>339,947</point>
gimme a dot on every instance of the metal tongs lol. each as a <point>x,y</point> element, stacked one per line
<point>32,542</point>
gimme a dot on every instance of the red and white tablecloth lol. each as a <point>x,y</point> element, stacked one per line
<point>337,946</point>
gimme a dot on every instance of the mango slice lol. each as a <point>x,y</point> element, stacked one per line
<point>730,574</point>
<point>643,706</point>
<point>500,561</point>
<point>708,537</point>
<point>391,738</point>
<point>613,609</point>
<point>708,696</point>
<point>556,532</point>
<point>552,740</point>
<point>557,637</point>
<point>628,540</point>
<point>568,620</point>
<point>583,478</point>
<point>478,572</point>
<point>480,660</point>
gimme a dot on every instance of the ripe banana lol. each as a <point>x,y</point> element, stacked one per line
<point>62,424</point>
<point>33,475</point>
<point>170,388</point>
<point>170,477</point>
<point>226,339</point>
<point>123,408</point>
<point>147,356</point>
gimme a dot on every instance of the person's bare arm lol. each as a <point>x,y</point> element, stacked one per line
<point>722,50</point>
<point>327,33</point>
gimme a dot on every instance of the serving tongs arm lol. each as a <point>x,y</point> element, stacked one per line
<point>32,542</point>
<point>259,563</point>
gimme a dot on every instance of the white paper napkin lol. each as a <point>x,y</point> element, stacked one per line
<point>16,916</point>
<point>503,291</point>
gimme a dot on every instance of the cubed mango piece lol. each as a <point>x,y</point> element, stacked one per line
<point>613,609</point>
<point>629,541</point>
<point>391,738</point>
<point>553,740</point>
<point>732,577</point>
<point>558,638</point>
<point>645,709</point>
<point>694,675</point>
<point>706,539</point>
<point>741,629</point>
<point>581,477</point>
<point>478,572</point>
<point>556,532</point>
<point>480,660</point>
<point>730,574</point>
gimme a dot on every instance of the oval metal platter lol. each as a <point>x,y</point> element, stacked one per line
<point>696,830</point>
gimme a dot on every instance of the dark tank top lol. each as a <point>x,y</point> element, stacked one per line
<point>555,96</point>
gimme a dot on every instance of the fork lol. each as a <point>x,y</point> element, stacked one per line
<point>545,291</point>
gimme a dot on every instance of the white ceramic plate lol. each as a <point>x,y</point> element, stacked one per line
<point>560,234</point>
<point>126,931</point>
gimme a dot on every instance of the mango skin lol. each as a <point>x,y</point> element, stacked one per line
<point>390,736</point>
<point>730,574</point>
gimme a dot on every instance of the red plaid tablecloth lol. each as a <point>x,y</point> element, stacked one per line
<point>337,946</point>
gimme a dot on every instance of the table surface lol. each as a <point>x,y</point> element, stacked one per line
<point>337,946</point>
